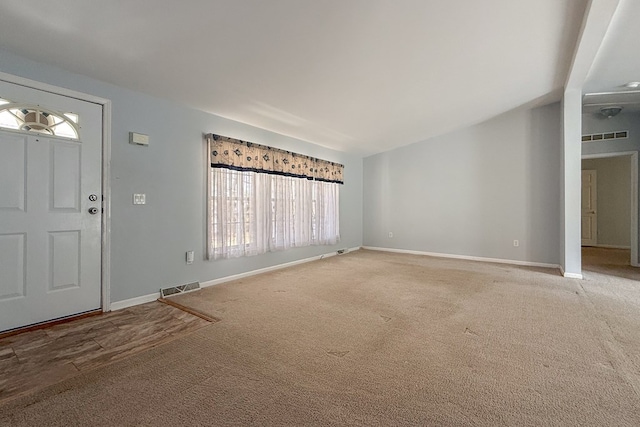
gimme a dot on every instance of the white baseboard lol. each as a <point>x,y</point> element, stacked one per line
<point>569,275</point>
<point>272,268</point>
<point>612,246</point>
<point>465,257</point>
<point>481,259</point>
<point>119,305</point>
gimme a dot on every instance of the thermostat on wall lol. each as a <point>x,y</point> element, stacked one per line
<point>138,138</point>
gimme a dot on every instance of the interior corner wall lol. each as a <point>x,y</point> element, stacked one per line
<point>472,192</point>
<point>148,242</point>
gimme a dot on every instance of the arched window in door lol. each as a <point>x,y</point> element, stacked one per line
<point>34,118</point>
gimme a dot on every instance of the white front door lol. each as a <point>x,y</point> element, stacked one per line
<point>50,243</point>
<point>589,208</point>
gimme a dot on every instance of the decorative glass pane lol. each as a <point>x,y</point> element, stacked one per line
<point>64,129</point>
<point>72,116</point>
<point>33,118</point>
<point>8,120</point>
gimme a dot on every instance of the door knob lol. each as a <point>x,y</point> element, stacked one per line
<point>93,211</point>
<point>93,197</point>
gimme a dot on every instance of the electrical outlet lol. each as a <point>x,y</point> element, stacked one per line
<point>516,243</point>
<point>390,234</point>
<point>190,256</point>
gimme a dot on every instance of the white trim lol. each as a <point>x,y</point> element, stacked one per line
<point>570,275</point>
<point>607,155</point>
<point>465,257</point>
<point>611,93</point>
<point>633,227</point>
<point>119,305</point>
<point>207,174</point>
<point>272,268</point>
<point>634,210</point>
<point>69,93</point>
<point>106,206</point>
<point>610,246</point>
<point>106,169</point>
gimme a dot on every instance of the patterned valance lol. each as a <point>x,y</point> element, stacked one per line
<point>234,154</point>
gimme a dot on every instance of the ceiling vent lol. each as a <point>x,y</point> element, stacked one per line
<point>621,134</point>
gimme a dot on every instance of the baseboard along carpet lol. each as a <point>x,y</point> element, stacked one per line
<point>373,338</point>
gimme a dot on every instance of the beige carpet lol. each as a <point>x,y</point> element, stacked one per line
<point>373,338</point>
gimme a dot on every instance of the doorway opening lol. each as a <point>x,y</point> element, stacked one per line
<point>613,217</point>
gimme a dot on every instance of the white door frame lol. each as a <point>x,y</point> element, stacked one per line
<point>634,197</point>
<point>106,170</point>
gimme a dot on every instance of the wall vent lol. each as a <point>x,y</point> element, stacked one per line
<point>181,289</point>
<point>621,134</point>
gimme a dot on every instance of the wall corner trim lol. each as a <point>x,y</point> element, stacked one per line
<point>569,275</point>
<point>119,305</point>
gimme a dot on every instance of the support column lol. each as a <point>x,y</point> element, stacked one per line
<point>571,185</point>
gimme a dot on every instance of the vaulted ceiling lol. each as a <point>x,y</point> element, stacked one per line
<point>361,76</point>
<point>617,63</point>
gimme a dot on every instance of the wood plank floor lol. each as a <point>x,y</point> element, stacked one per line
<point>39,358</point>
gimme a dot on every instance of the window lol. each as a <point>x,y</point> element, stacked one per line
<point>253,210</point>
<point>253,213</point>
<point>36,119</point>
<point>231,211</point>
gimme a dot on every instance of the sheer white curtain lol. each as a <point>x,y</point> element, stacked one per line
<point>251,213</point>
<point>327,208</point>
<point>237,210</point>
<point>291,213</point>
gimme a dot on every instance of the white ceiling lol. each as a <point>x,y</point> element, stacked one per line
<point>618,61</point>
<point>616,64</point>
<point>361,76</point>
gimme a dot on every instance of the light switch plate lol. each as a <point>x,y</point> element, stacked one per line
<point>139,199</point>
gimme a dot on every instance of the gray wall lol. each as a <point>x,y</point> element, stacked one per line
<point>149,242</point>
<point>613,199</point>
<point>472,192</point>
